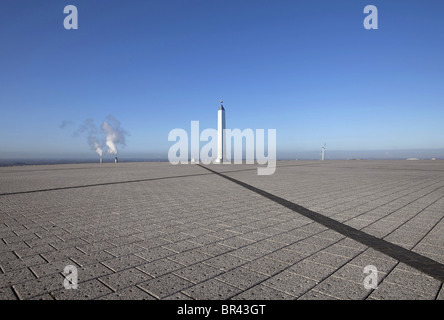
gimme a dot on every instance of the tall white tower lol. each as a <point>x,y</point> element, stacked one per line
<point>323,151</point>
<point>221,143</point>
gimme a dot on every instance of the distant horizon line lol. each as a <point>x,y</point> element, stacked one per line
<point>49,161</point>
<point>158,152</point>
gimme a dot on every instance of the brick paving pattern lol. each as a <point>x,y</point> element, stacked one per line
<point>157,231</point>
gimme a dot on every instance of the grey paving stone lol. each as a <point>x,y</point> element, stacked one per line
<point>126,278</point>
<point>312,270</point>
<point>129,293</point>
<point>392,291</point>
<point>190,257</point>
<point>250,252</point>
<point>64,254</point>
<point>96,237</point>
<point>6,293</point>
<point>205,239</point>
<point>71,242</point>
<point>317,241</point>
<point>236,242</point>
<point>153,254</point>
<point>316,295</point>
<point>43,270</point>
<point>197,232</point>
<point>255,236</point>
<point>424,247</point>
<point>88,290</point>
<point>125,249</point>
<point>225,262</point>
<point>271,230</point>
<point>14,277</point>
<point>176,237</point>
<point>286,256</point>
<point>198,272</point>
<point>165,285</point>
<point>92,271</point>
<point>266,266</point>
<point>46,296</point>
<point>211,290</point>
<point>17,264</point>
<point>305,248</point>
<point>440,295</point>
<point>147,235</point>
<point>14,238</point>
<point>329,259</point>
<point>124,262</point>
<point>420,282</point>
<point>290,283</point>
<point>261,292</point>
<point>292,226</point>
<point>96,246</point>
<point>21,253</point>
<point>182,246</point>
<point>289,237</point>
<point>225,233</point>
<point>381,262</point>
<point>35,287</point>
<point>214,249</point>
<point>160,267</point>
<point>178,296</point>
<point>87,259</point>
<point>339,250</point>
<point>312,228</point>
<point>153,242</point>
<point>8,249</point>
<point>241,278</point>
<point>123,240</point>
<point>349,243</point>
<point>343,289</point>
<point>331,235</point>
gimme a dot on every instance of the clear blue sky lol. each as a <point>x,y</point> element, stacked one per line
<point>309,69</point>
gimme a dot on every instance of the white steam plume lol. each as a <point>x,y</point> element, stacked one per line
<point>110,135</point>
<point>114,134</point>
<point>90,128</point>
<point>98,148</point>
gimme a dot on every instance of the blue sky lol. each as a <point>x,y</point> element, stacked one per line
<point>308,69</point>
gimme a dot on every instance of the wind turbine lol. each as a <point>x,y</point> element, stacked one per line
<point>323,151</point>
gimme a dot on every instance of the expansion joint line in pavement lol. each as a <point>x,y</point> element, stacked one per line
<point>100,184</point>
<point>410,258</point>
<point>111,183</point>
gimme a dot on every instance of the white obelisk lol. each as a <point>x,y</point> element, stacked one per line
<point>221,143</point>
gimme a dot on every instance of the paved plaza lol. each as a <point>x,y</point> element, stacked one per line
<point>313,230</point>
